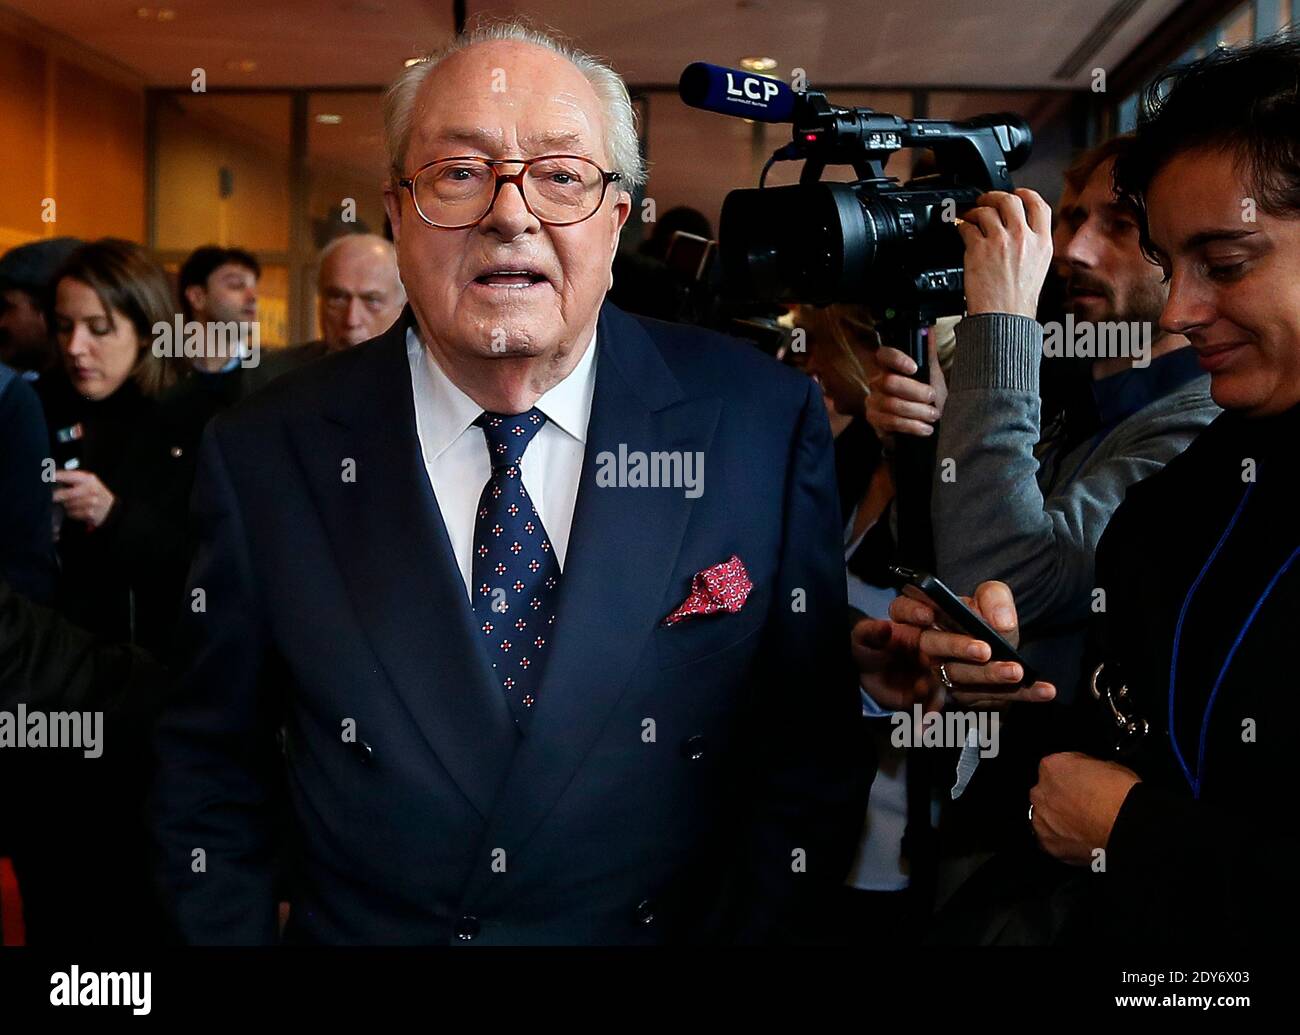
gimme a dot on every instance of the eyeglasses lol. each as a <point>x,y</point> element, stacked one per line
<point>456,193</point>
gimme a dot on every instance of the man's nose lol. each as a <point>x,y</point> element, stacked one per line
<point>1188,307</point>
<point>509,216</point>
<point>355,312</point>
<point>1081,249</point>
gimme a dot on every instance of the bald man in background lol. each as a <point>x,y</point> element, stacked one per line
<point>359,296</point>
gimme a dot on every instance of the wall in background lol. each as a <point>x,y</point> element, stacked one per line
<point>72,130</point>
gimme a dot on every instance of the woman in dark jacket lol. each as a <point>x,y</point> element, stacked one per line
<point>125,470</point>
<point>80,843</point>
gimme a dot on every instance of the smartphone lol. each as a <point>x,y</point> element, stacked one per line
<point>951,614</point>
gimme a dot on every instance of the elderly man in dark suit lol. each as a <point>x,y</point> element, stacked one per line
<point>536,609</point>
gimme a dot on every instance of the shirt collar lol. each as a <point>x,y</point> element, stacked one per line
<point>226,368</point>
<point>443,412</point>
<point>1121,395</point>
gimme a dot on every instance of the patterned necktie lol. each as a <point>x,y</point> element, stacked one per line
<point>515,571</point>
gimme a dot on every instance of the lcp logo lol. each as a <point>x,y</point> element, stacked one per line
<point>754,88</point>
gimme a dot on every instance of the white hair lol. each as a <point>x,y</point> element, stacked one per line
<point>620,120</point>
<point>351,240</point>
<point>335,243</point>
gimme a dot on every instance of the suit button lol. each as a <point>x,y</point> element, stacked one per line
<point>645,913</point>
<point>467,928</point>
<point>693,748</point>
<point>367,752</point>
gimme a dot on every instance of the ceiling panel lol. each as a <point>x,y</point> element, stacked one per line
<point>872,42</point>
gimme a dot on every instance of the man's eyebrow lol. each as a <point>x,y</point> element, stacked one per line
<point>569,141</point>
<point>487,141</point>
<point>479,138</point>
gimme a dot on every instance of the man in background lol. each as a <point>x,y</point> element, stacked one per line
<point>359,295</point>
<point>219,286</point>
<point>216,286</point>
<point>26,273</point>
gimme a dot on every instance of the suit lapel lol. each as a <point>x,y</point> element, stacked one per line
<point>622,551</point>
<point>392,548</point>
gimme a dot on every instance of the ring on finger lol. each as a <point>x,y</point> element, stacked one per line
<point>943,678</point>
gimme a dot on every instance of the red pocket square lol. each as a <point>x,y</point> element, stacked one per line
<point>724,587</point>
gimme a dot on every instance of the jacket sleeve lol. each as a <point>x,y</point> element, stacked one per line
<point>26,546</point>
<point>215,744</point>
<point>811,763</point>
<point>991,518</point>
<point>1171,857</point>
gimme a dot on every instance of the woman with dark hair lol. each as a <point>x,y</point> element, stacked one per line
<point>122,485</point>
<point>124,475</point>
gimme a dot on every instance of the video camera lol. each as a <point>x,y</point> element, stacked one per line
<point>891,246</point>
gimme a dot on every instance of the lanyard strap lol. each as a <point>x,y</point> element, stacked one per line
<point>1194,779</point>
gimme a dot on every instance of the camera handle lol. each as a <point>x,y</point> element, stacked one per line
<point>913,456</point>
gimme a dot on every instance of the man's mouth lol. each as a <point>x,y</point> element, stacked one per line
<point>506,277</point>
<point>1083,292</point>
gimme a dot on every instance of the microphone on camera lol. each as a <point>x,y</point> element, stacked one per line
<point>729,91</point>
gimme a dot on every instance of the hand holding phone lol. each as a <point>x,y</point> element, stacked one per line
<point>980,661</point>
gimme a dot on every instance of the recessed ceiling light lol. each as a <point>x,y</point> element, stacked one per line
<point>327,119</point>
<point>758,64</point>
<point>412,61</point>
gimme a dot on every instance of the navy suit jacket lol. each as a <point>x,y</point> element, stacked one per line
<point>676,783</point>
<point>27,557</point>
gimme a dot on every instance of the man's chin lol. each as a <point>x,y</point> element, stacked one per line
<point>518,346</point>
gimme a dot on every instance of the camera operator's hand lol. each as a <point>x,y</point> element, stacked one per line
<point>977,681</point>
<point>897,403</point>
<point>1008,241</point>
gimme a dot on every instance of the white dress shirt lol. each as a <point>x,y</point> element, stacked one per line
<point>456,453</point>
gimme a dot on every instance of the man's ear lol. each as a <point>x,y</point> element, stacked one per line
<point>393,206</point>
<point>196,296</point>
<point>622,209</point>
